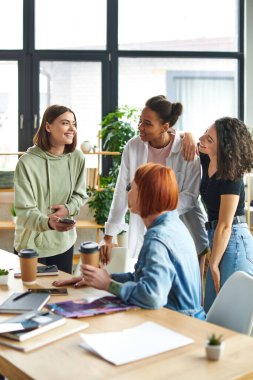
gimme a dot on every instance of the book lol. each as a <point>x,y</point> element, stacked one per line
<point>33,323</point>
<point>29,301</point>
<point>71,326</point>
<point>81,308</point>
<point>43,270</point>
<point>139,342</point>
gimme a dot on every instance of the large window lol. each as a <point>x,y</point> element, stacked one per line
<point>180,25</point>
<point>207,88</point>
<point>93,55</point>
<point>76,24</point>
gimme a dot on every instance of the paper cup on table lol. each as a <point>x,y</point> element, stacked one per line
<point>28,265</point>
<point>89,253</point>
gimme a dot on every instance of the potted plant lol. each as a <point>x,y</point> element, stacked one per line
<point>13,213</point>
<point>116,130</point>
<point>214,347</point>
<point>122,237</point>
<point>4,275</point>
<point>100,203</point>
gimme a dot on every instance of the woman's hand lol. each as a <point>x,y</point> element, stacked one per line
<point>189,146</point>
<point>105,247</point>
<point>215,274</point>
<point>55,224</point>
<point>60,211</point>
<point>96,277</point>
<point>76,281</point>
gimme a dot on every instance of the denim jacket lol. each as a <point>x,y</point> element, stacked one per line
<point>167,271</point>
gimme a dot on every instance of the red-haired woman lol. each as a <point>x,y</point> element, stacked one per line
<point>167,271</point>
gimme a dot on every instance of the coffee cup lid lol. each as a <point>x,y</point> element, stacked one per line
<point>88,247</point>
<point>27,253</point>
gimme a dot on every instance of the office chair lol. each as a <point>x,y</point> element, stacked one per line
<point>233,306</point>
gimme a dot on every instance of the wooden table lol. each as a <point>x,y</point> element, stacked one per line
<point>64,359</point>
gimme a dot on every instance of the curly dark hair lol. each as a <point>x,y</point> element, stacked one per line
<point>167,111</point>
<point>234,150</point>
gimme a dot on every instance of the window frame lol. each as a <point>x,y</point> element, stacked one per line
<point>28,65</point>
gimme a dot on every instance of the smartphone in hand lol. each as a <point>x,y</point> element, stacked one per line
<point>66,221</point>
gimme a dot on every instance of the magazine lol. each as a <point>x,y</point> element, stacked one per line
<point>81,308</point>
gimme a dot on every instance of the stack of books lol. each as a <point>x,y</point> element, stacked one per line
<point>23,332</point>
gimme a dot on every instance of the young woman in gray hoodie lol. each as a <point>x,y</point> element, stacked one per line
<point>50,184</point>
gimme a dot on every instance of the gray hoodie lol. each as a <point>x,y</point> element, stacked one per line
<point>41,180</point>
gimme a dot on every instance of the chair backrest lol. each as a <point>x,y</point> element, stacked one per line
<point>233,306</point>
<point>119,260</point>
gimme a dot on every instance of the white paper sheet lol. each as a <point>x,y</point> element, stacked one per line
<point>135,343</point>
<point>8,327</point>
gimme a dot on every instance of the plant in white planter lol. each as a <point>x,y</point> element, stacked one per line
<point>13,213</point>
<point>4,275</point>
<point>214,347</point>
<point>122,239</point>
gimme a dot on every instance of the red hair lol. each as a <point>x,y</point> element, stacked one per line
<point>157,189</point>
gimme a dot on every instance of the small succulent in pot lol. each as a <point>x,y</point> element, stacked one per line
<point>4,275</point>
<point>214,347</point>
<point>214,340</point>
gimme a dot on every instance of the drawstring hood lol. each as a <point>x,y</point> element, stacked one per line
<point>42,180</point>
<point>49,159</point>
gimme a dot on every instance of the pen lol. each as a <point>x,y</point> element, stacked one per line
<point>21,295</point>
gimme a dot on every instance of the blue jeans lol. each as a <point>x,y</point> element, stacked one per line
<point>238,256</point>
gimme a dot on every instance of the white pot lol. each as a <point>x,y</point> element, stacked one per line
<point>214,352</point>
<point>4,279</point>
<point>14,219</point>
<point>86,146</point>
<point>122,239</point>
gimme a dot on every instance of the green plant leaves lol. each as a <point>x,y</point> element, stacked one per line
<point>4,272</point>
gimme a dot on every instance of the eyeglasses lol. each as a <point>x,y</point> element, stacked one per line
<point>128,188</point>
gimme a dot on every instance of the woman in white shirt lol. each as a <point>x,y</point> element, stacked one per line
<point>157,143</point>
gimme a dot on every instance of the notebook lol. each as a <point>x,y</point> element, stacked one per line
<point>81,308</point>
<point>43,270</point>
<point>33,323</point>
<point>71,326</point>
<point>30,301</point>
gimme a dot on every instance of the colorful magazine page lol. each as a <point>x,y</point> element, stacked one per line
<point>80,308</point>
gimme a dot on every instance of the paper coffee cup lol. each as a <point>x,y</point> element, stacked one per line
<point>28,265</point>
<point>89,253</point>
